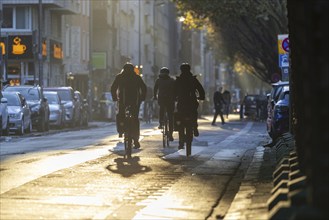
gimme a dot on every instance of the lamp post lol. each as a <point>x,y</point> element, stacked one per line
<point>1,55</point>
<point>90,74</point>
<point>139,35</point>
<point>40,45</point>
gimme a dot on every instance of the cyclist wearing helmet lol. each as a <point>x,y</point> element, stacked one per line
<point>128,88</point>
<point>188,91</point>
<point>164,93</point>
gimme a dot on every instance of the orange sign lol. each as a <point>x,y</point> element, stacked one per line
<point>44,48</point>
<point>18,48</point>
<point>58,53</point>
<point>3,48</point>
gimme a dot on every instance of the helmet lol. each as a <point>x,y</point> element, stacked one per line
<point>185,67</point>
<point>164,70</point>
<point>128,67</point>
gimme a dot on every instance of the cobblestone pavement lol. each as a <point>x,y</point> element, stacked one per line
<point>158,183</point>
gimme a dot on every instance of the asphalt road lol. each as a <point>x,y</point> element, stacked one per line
<point>82,174</point>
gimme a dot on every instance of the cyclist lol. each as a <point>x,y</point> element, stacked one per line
<point>187,92</point>
<point>164,93</point>
<point>128,88</point>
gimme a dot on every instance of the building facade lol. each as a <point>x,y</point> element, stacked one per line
<point>84,43</point>
<point>32,41</point>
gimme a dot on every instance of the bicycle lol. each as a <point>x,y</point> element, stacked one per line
<point>185,127</point>
<point>128,137</point>
<point>165,130</point>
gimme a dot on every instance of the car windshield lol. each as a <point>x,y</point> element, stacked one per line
<point>52,98</point>
<point>12,100</point>
<point>30,94</point>
<point>285,96</point>
<point>65,95</point>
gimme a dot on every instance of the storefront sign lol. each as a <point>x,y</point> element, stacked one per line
<point>56,50</point>
<point>20,47</point>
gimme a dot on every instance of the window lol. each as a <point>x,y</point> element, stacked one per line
<point>56,25</point>
<point>18,18</point>
<point>7,18</point>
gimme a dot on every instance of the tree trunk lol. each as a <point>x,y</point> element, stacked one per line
<point>308,35</point>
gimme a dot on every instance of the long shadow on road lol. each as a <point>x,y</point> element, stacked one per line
<point>128,167</point>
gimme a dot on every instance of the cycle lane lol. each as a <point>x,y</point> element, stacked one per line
<point>151,187</point>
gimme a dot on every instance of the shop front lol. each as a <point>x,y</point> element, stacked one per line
<point>18,60</point>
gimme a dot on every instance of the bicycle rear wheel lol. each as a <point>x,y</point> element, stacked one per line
<point>128,144</point>
<point>128,137</point>
<point>165,131</point>
<point>166,126</point>
<point>188,139</point>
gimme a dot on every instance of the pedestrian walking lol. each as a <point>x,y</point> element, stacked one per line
<point>188,90</point>
<point>227,104</point>
<point>164,93</point>
<point>218,105</point>
<point>128,89</point>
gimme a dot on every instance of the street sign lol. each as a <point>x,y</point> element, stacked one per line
<point>275,77</point>
<point>283,43</point>
<point>284,60</point>
<point>285,73</point>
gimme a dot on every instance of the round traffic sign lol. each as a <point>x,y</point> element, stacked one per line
<point>285,44</point>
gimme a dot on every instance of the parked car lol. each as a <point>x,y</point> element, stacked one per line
<point>84,109</point>
<point>272,100</point>
<point>280,117</point>
<point>57,110</point>
<point>4,116</point>
<point>37,102</point>
<point>249,105</point>
<point>19,113</point>
<point>69,101</point>
<point>107,107</point>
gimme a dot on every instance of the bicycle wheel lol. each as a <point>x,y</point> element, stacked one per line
<point>128,144</point>
<point>188,138</point>
<point>166,132</point>
<point>128,137</point>
<point>164,135</point>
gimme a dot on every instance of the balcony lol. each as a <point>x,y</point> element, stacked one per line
<point>62,6</point>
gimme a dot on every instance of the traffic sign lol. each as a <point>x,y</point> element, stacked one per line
<point>285,73</point>
<point>284,60</point>
<point>285,44</point>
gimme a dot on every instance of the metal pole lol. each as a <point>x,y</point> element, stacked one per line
<point>90,82</point>
<point>139,35</point>
<point>2,77</point>
<point>40,45</point>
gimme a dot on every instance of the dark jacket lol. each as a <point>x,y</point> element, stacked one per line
<point>128,88</point>
<point>187,92</point>
<point>218,101</point>
<point>164,89</point>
